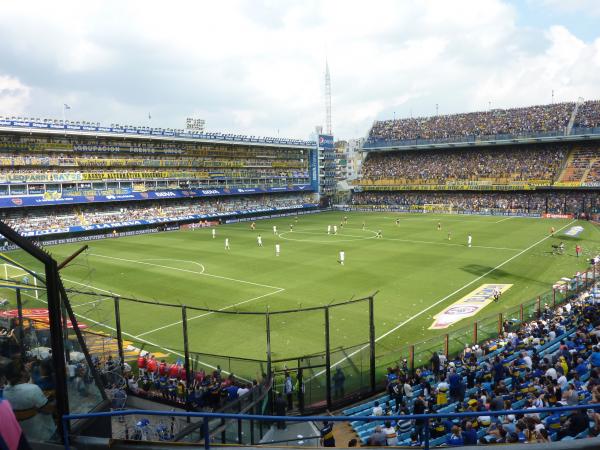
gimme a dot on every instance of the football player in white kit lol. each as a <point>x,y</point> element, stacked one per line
<point>328,229</point>
<point>342,257</point>
<point>259,240</point>
<point>274,229</point>
<point>469,240</point>
<point>277,249</point>
<point>227,244</point>
<point>214,233</point>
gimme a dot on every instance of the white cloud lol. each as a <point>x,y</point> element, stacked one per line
<point>256,67</point>
<point>14,95</point>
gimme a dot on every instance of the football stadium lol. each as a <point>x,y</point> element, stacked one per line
<point>433,283</point>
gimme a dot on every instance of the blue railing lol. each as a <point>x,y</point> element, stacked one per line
<point>394,418</point>
<point>388,143</point>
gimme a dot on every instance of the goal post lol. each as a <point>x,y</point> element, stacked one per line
<point>15,273</point>
<point>438,208</point>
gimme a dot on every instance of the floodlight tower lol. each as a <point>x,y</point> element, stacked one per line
<point>327,99</point>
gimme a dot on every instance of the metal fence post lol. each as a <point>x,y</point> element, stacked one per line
<point>500,327</point>
<point>539,307</point>
<point>119,334</point>
<point>553,297</point>
<point>21,329</point>
<point>206,433</point>
<point>372,345</point>
<point>426,447</point>
<point>327,359</point>
<point>411,359</point>
<point>56,340</point>
<point>186,354</point>
<point>521,313</point>
<point>300,382</point>
<point>475,332</point>
<point>446,345</point>
<point>268,329</point>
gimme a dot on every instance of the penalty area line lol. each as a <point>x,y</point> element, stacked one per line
<point>153,344</point>
<point>208,313</point>
<point>506,218</point>
<point>203,273</point>
<point>400,325</point>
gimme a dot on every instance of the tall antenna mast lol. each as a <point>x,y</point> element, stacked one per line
<point>327,98</point>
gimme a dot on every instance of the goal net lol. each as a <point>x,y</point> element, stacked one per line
<point>14,275</point>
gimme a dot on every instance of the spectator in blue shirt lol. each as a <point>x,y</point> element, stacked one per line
<point>595,358</point>
<point>581,367</point>
<point>455,439</point>
<point>469,436</point>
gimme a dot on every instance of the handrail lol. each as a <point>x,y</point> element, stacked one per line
<point>206,416</point>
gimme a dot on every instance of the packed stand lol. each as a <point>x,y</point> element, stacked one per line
<point>578,203</point>
<point>582,165</point>
<point>551,362</point>
<point>542,163</point>
<point>515,121</point>
<point>85,166</point>
<point>588,114</point>
<point>46,219</point>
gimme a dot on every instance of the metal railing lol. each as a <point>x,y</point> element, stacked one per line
<point>478,139</point>
<point>206,417</point>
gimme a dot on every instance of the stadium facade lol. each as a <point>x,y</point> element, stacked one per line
<point>69,178</point>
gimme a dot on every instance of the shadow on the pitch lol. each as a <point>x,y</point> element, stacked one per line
<point>498,275</point>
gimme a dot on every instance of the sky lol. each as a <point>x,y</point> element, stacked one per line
<point>257,67</point>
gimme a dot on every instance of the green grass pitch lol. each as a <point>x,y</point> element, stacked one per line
<point>415,268</point>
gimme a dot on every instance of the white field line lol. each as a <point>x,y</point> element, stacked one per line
<point>441,218</point>
<point>173,259</point>
<point>185,270</point>
<point>211,312</point>
<point>153,344</point>
<point>410,241</point>
<point>89,303</point>
<point>323,233</point>
<point>400,325</point>
<point>92,287</point>
<point>507,218</point>
<point>276,289</point>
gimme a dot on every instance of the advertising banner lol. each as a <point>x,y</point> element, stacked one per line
<point>469,305</point>
<point>58,199</point>
<point>325,141</point>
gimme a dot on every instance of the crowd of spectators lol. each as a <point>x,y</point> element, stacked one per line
<point>27,380</point>
<point>83,166</point>
<point>588,114</point>
<point>542,162</point>
<point>515,121</point>
<point>170,382</point>
<point>538,202</point>
<point>46,219</point>
<point>550,362</point>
